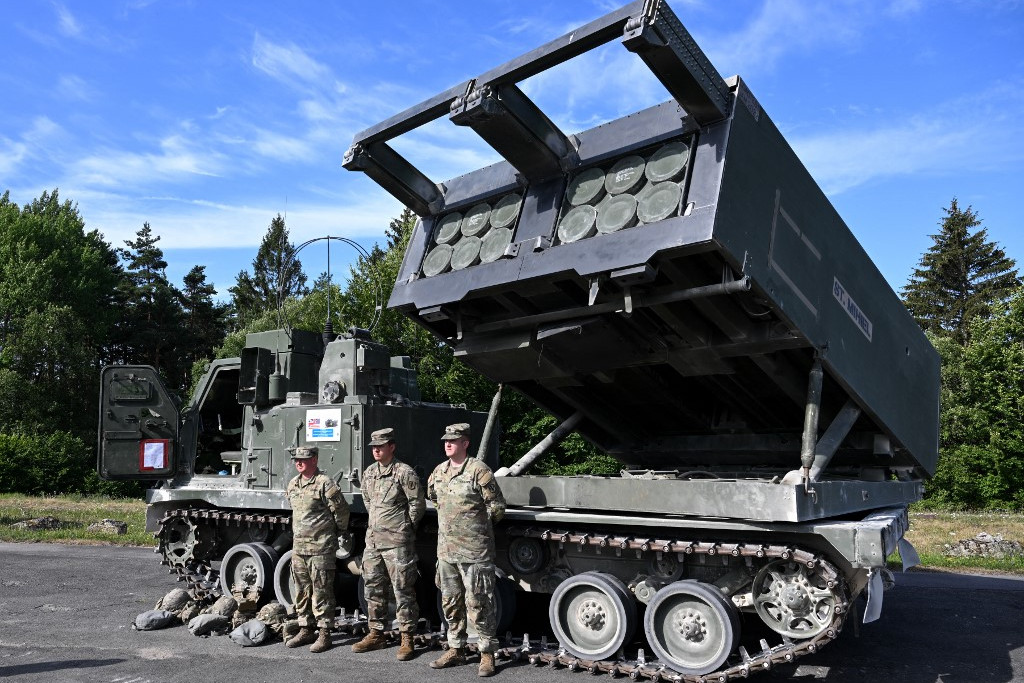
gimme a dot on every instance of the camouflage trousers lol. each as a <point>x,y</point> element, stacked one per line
<point>313,577</point>
<point>467,592</point>
<point>389,576</point>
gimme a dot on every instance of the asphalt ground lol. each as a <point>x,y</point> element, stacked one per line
<point>66,615</point>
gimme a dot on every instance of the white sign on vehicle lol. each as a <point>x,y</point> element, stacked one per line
<point>862,322</point>
<point>154,454</point>
<point>323,425</point>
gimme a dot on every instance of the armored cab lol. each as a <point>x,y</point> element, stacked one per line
<point>675,286</point>
<point>221,463</point>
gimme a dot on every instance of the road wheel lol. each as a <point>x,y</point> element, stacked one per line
<point>592,615</point>
<point>692,627</point>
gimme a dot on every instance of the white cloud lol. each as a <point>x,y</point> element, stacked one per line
<point>192,223</point>
<point>439,161</point>
<point>287,63</point>
<point>53,33</point>
<point>66,22</point>
<point>43,129</point>
<point>954,138</point>
<point>317,110</point>
<point>282,147</point>
<point>74,88</point>
<point>610,80</point>
<point>12,153</point>
<point>899,8</point>
<point>843,160</point>
<point>34,142</point>
<point>176,159</point>
<point>783,27</point>
<point>527,26</point>
<point>324,109</point>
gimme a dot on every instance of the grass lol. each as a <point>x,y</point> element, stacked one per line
<point>929,531</point>
<point>75,513</point>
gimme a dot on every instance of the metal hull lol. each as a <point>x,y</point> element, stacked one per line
<point>757,501</point>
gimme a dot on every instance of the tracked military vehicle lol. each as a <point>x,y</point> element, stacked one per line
<point>676,288</point>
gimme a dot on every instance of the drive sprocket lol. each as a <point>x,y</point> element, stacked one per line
<point>184,542</point>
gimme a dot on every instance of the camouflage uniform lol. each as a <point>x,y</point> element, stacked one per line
<point>468,502</point>
<point>395,502</point>
<point>319,515</point>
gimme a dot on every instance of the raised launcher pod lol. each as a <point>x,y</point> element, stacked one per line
<point>678,279</point>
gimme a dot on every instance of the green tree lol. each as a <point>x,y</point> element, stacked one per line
<point>960,276</point>
<point>277,275</point>
<point>981,437</point>
<point>56,315</point>
<point>204,321</point>
<point>152,316</point>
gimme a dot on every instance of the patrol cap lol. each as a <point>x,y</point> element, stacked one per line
<point>382,436</point>
<point>303,452</point>
<point>459,430</point>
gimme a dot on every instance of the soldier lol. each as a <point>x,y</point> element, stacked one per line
<point>395,502</point>
<point>319,516</point>
<point>469,503</point>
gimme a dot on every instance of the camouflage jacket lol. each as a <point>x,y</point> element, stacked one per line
<point>468,502</point>
<point>394,500</point>
<point>319,514</point>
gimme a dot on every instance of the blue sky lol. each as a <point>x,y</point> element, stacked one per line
<point>206,119</point>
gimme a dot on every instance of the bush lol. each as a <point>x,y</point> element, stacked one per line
<point>982,428</point>
<point>93,485</point>
<point>42,464</point>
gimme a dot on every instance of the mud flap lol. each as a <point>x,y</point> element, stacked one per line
<point>876,588</point>
<point>908,554</point>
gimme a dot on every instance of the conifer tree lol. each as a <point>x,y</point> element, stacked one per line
<point>960,277</point>
<point>152,316</point>
<point>277,275</point>
<point>204,320</point>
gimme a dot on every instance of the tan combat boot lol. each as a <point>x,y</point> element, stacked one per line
<point>486,665</point>
<point>407,648</point>
<point>305,636</point>
<point>453,657</point>
<point>323,643</point>
<point>374,640</point>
